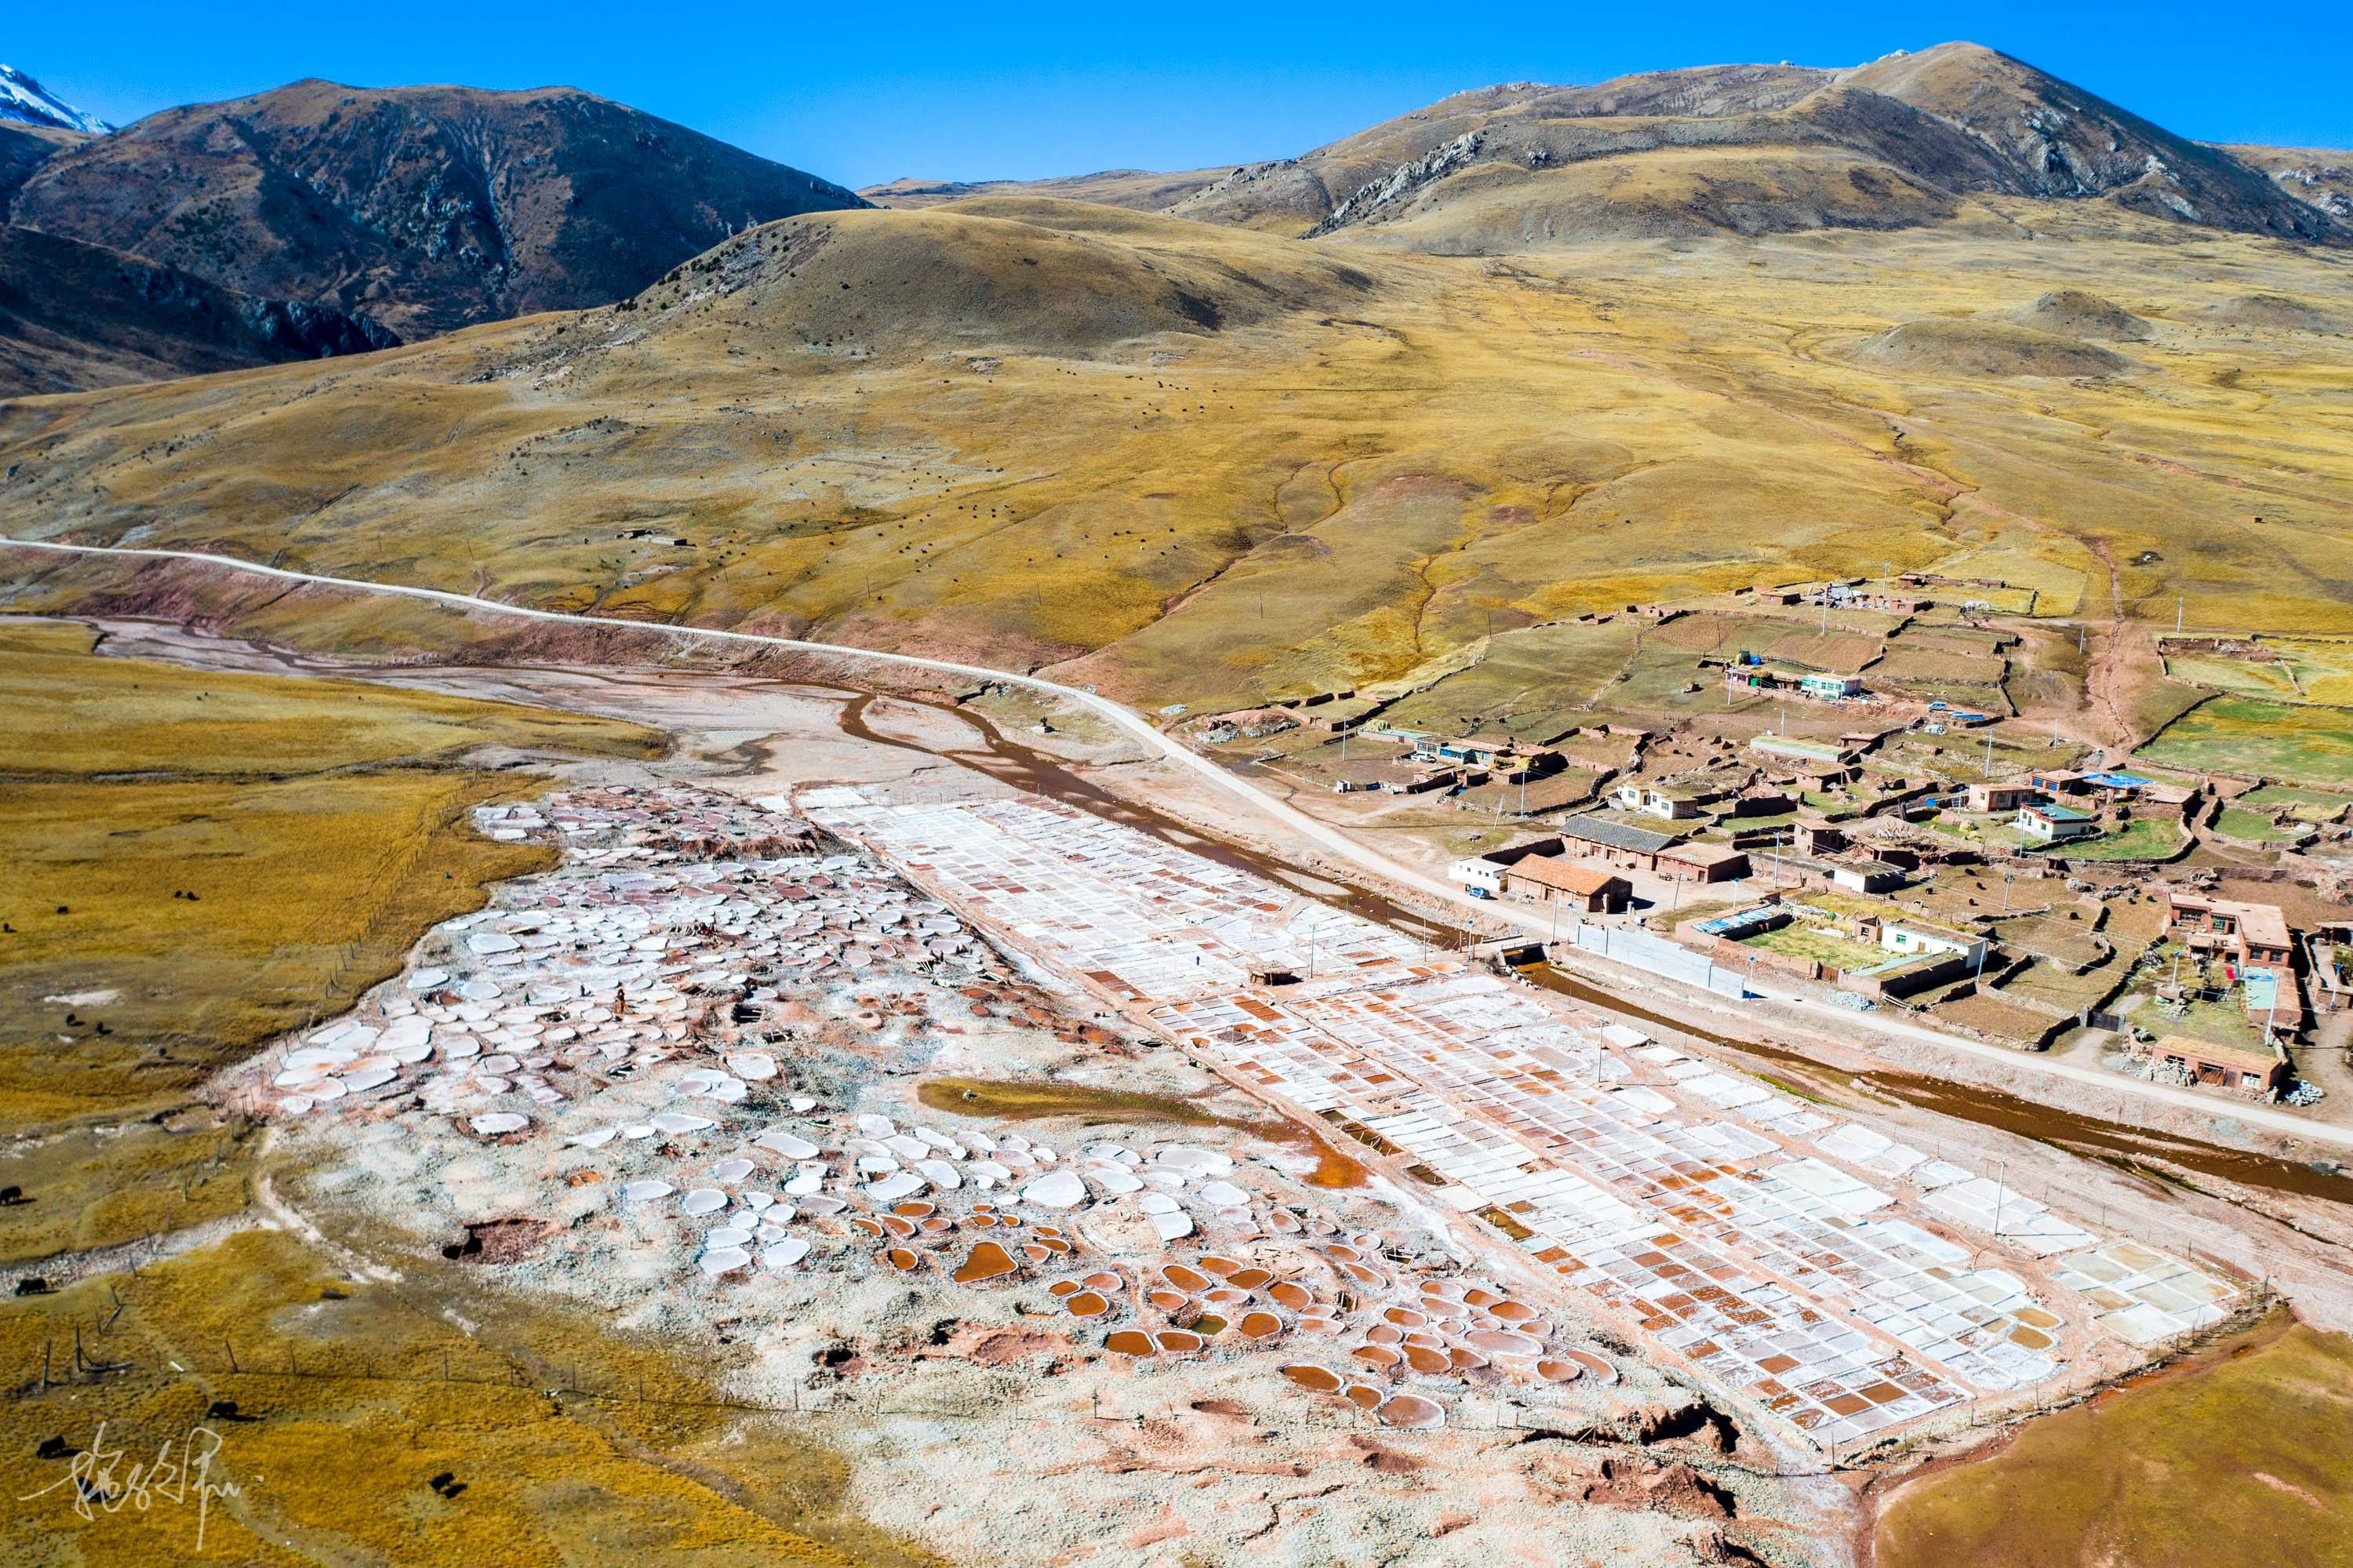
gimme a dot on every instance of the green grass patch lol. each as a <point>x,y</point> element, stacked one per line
<point>2244,677</point>
<point>2253,827</point>
<point>2300,743</point>
<point>2149,837</point>
<point>1827,949</point>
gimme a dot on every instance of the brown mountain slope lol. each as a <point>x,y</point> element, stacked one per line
<point>1900,142</point>
<point>1196,464</point>
<point>2317,176</point>
<point>75,315</point>
<point>1140,190</point>
<point>25,148</point>
<point>426,207</point>
<point>2060,141</point>
<point>1000,275</point>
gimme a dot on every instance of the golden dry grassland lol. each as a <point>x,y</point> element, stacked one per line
<point>2235,1457</point>
<point>1006,428</point>
<point>322,825</point>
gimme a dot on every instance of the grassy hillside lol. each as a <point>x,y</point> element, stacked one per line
<point>1191,463</point>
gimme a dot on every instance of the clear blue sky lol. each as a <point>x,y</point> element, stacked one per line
<point>859,94</point>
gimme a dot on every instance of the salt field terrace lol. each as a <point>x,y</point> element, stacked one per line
<point>1840,1283</point>
<point>620,1049</point>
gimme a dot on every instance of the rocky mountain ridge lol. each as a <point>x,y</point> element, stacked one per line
<point>427,208</point>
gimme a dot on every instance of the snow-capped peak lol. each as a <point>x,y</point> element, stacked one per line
<point>22,98</point>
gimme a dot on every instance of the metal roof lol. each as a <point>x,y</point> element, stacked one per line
<point>1598,830</point>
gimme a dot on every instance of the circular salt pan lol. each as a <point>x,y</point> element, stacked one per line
<point>757,1066</point>
<point>1412,1412</point>
<point>904,1184</point>
<point>727,1235</point>
<point>426,980</point>
<point>639,1191</point>
<point>725,1260</point>
<point>500,1121</point>
<point>672,1121</point>
<point>731,1169</point>
<point>1056,1190</point>
<point>785,1253</point>
<point>788,1145</point>
<point>704,1201</point>
<point>369,1078</point>
<point>1184,1157</point>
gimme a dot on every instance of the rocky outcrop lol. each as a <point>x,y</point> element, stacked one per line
<point>1400,184</point>
<point>74,315</point>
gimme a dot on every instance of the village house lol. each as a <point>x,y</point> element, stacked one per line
<point>1704,863</point>
<point>2254,934</point>
<point>1620,843</point>
<point>1548,879</point>
<point>2056,825</point>
<point>2114,787</point>
<point>1813,836</point>
<point>1745,674</point>
<point>1669,802</point>
<point>2057,781</point>
<point>2002,797</point>
<point>1868,876</point>
<point>2223,1066</point>
<point>1919,937</point>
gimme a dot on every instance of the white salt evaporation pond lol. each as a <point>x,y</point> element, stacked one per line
<point>1812,1269</point>
<point>651,934</point>
<point>611,1042</point>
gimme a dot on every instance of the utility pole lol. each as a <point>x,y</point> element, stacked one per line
<point>2177,605</point>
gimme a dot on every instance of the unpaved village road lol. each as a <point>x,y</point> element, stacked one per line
<point>1323,835</point>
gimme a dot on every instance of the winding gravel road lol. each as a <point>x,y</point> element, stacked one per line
<point>1321,835</point>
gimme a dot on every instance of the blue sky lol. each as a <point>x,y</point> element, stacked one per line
<point>971,91</point>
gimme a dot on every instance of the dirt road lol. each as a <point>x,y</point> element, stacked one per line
<point>1324,836</point>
